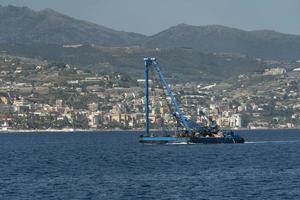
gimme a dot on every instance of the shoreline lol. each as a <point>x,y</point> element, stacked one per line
<point>65,130</point>
<point>119,130</point>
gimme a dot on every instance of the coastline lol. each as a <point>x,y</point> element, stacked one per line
<point>65,130</point>
<point>40,131</point>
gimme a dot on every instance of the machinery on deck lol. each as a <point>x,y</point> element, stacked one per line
<point>191,132</point>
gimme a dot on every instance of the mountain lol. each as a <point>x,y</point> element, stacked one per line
<point>25,26</point>
<point>260,44</point>
<point>187,53</point>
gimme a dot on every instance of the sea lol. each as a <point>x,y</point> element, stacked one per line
<point>113,165</point>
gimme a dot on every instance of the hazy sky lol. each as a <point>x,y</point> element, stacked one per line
<point>151,16</point>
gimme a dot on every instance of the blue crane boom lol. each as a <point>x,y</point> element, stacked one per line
<point>193,132</point>
<point>152,62</point>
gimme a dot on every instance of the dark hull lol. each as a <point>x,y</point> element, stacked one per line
<point>225,140</point>
<point>194,140</point>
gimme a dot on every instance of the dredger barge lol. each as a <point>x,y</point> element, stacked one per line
<point>191,132</point>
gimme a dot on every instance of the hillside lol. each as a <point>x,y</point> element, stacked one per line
<point>183,65</point>
<point>260,44</point>
<point>25,26</point>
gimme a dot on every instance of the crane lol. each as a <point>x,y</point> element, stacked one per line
<point>193,132</point>
<point>152,62</point>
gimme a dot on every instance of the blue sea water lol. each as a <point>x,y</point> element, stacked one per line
<point>115,166</point>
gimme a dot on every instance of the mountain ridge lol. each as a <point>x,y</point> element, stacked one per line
<point>220,39</point>
<point>24,25</point>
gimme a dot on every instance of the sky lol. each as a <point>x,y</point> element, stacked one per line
<point>150,17</point>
